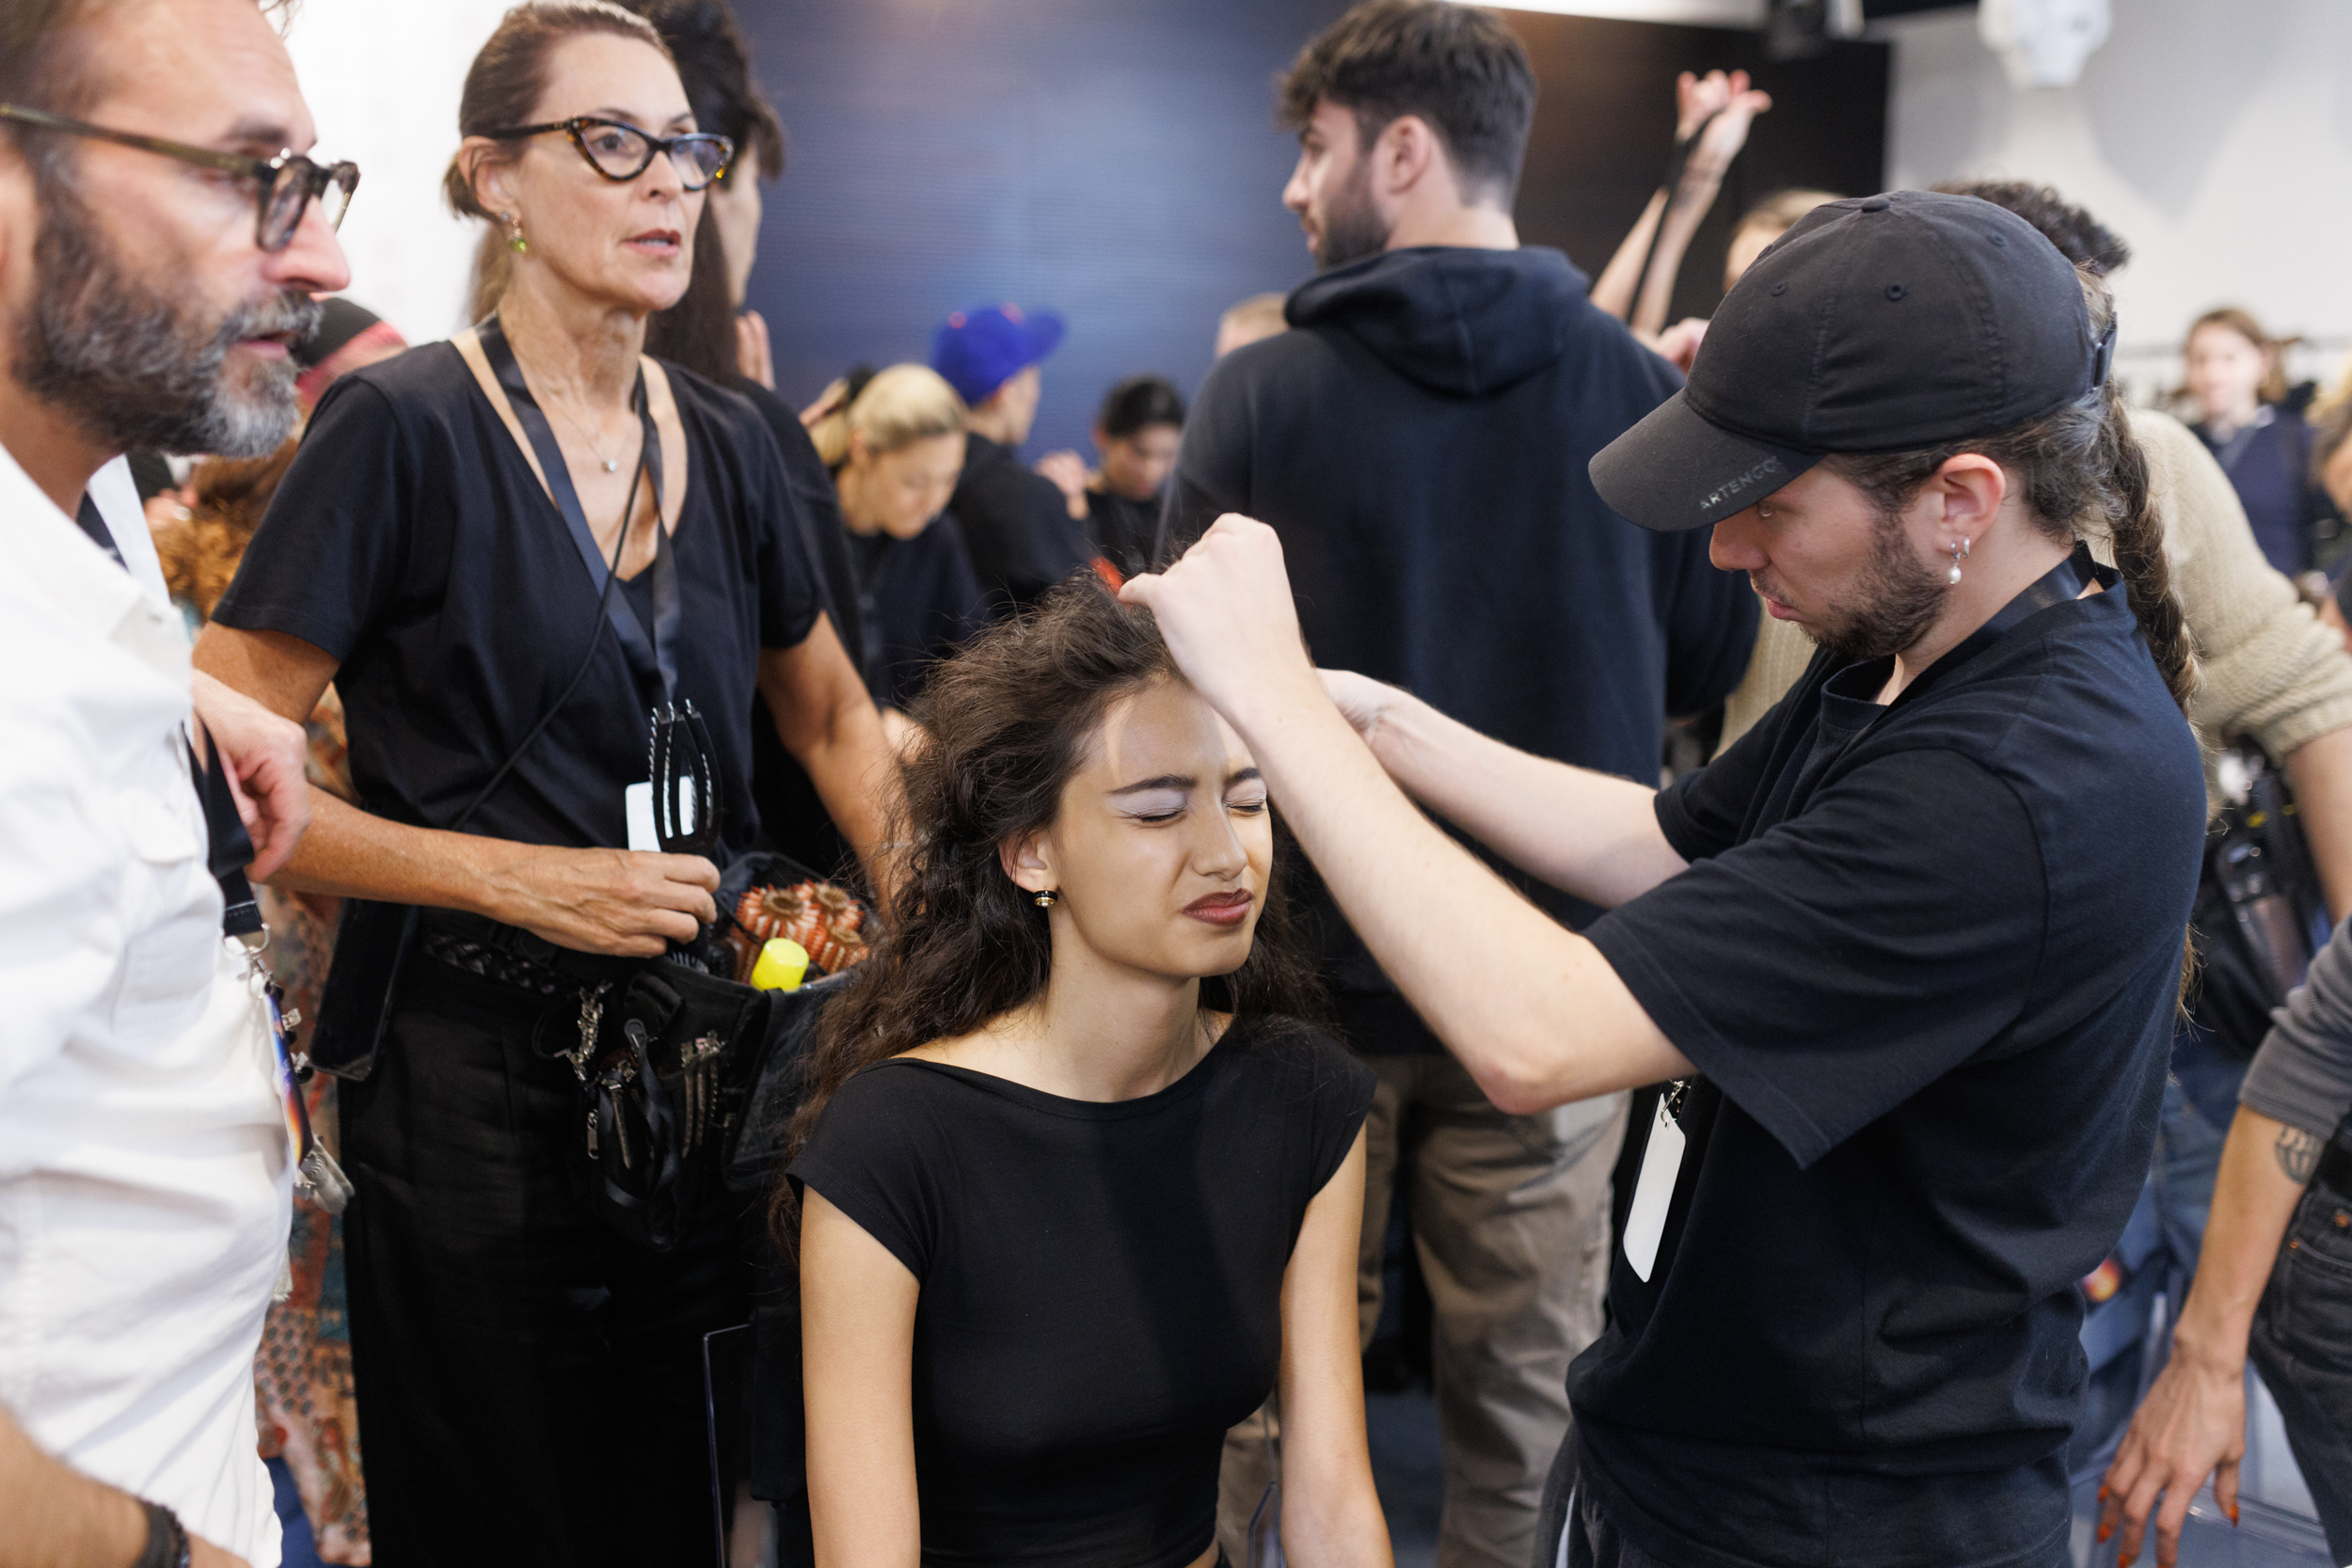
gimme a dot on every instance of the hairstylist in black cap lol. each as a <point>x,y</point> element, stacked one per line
<point>1905,957</point>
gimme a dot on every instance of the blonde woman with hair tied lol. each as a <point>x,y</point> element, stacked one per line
<point>893,441</point>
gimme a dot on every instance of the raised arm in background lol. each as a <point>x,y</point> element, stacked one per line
<point>1717,109</point>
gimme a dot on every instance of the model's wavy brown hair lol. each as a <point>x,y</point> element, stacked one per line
<point>1007,721</point>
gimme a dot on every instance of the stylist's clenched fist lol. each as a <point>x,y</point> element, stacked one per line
<point>1225,610</point>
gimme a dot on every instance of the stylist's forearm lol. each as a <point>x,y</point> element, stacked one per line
<point>2265,1167</point>
<point>2320,771</point>
<point>350,854</point>
<point>1590,835</point>
<point>1531,1008</point>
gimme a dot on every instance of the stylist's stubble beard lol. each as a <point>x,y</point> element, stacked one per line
<point>1900,597</point>
<point>134,366</point>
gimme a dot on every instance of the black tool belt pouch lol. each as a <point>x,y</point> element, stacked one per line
<point>660,1062</point>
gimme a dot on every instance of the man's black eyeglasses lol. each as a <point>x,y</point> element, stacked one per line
<point>287,183</point>
<point>620,151</point>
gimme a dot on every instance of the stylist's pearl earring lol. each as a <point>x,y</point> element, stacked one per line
<point>515,241</point>
<point>1045,899</point>
<point>1960,553</point>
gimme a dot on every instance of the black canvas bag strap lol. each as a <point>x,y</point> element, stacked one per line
<point>228,848</point>
<point>653,657</point>
<point>2061,584</point>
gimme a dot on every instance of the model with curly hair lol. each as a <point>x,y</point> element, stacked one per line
<point>1078,1189</point>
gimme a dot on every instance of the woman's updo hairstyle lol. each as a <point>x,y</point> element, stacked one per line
<point>893,409</point>
<point>509,76</point>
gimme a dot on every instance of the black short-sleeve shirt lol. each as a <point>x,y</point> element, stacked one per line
<point>1926,958</point>
<point>411,541</point>
<point>1100,1284</point>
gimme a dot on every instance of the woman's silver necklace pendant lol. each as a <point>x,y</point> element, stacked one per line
<point>611,464</point>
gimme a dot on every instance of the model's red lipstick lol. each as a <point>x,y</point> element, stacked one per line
<point>1226,909</point>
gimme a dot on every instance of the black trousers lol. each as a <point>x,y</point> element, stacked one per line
<point>530,1385</point>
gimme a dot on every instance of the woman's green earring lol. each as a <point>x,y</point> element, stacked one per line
<point>515,241</point>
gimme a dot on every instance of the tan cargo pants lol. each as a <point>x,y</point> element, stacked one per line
<point>1510,1218</point>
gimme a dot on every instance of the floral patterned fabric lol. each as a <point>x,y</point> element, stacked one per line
<point>301,1377</point>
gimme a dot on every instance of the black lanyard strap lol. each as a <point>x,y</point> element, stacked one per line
<point>651,658</point>
<point>2062,584</point>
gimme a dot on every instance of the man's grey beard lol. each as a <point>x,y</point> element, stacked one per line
<point>1352,228</point>
<point>130,366</point>
<point>1900,597</point>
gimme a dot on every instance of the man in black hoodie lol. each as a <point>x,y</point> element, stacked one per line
<point>1420,441</point>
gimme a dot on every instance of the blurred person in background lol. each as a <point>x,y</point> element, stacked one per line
<point>161,240</point>
<point>2234,375</point>
<point>894,446</point>
<point>350,337</point>
<point>2330,419</point>
<point>2285,1176</point>
<point>1419,438</point>
<point>1259,316</point>
<point>505,551</point>
<point>1017,522</point>
<point>711,333</point>
<point>1136,435</point>
<point>1712,114</point>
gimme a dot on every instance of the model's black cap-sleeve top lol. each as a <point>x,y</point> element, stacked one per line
<point>1101,1283</point>
<point>411,541</point>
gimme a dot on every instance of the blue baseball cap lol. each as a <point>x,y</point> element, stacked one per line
<point>980,349</point>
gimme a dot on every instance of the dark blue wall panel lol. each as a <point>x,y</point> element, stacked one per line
<point>1117,161</point>
<point>1113,160</point>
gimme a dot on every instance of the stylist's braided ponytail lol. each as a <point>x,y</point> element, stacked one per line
<point>2137,530</point>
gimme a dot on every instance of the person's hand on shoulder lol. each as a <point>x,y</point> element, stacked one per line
<point>264,755</point>
<point>1226,612</point>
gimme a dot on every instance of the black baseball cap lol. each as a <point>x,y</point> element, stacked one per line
<point>1878,324</point>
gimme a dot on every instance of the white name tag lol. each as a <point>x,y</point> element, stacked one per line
<point>637,810</point>
<point>1661,1161</point>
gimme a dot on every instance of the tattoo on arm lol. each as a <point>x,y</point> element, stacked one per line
<point>2297,1153</point>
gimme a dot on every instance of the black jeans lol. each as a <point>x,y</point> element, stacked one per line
<point>2302,1346</point>
<point>530,1386</point>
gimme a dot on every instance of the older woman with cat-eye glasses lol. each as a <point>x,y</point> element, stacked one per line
<point>519,556</point>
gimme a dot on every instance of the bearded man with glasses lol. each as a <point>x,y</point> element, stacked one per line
<point>162,241</point>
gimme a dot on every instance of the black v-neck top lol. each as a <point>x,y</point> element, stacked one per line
<point>1101,1283</point>
<point>412,542</point>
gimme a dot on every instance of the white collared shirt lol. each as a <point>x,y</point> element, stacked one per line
<point>144,1179</point>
